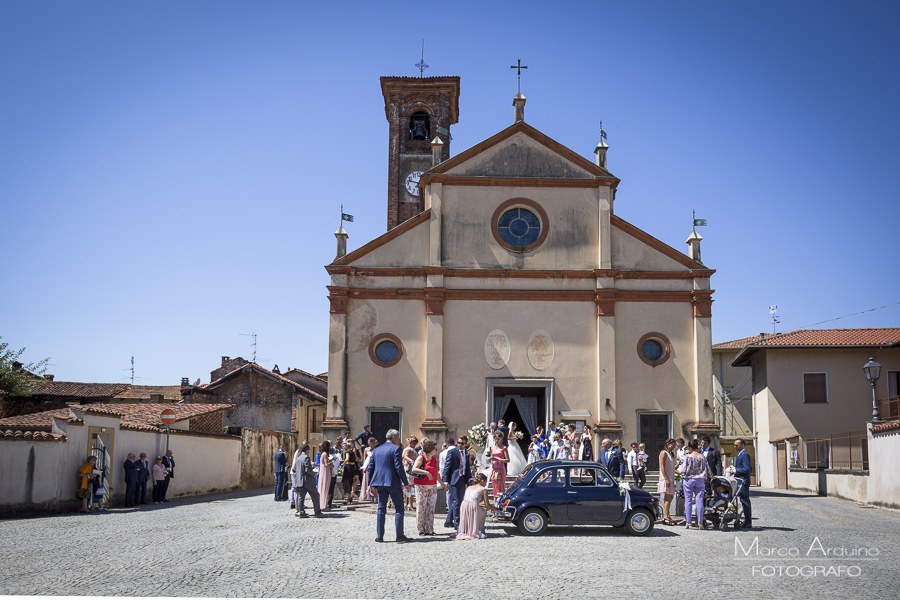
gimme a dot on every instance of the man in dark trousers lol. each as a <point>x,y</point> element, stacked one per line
<point>169,466</point>
<point>713,456</point>
<point>140,490</point>
<point>743,466</point>
<point>387,476</point>
<point>280,473</point>
<point>306,483</point>
<point>611,458</point>
<point>456,475</point>
<point>131,478</point>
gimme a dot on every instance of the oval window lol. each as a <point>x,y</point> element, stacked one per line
<point>654,348</point>
<point>386,350</point>
<point>519,225</point>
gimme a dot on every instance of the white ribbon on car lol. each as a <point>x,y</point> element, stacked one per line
<point>625,487</point>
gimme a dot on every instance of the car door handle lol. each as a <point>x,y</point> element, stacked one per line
<point>573,492</point>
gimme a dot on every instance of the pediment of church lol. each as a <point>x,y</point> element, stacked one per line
<point>520,151</point>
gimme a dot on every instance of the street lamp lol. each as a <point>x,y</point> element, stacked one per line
<point>873,371</point>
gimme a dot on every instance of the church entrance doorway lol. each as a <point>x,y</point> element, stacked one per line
<point>655,428</point>
<point>383,418</point>
<point>526,402</point>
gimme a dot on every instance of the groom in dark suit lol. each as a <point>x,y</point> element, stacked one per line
<point>456,475</point>
<point>386,475</point>
<point>712,456</point>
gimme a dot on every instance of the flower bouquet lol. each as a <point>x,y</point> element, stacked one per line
<point>518,435</point>
<point>477,433</point>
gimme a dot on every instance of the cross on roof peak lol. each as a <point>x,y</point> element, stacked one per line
<point>518,67</point>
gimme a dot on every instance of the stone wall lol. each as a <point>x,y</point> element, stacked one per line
<point>258,448</point>
<point>258,402</point>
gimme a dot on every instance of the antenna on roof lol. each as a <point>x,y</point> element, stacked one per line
<point>253,345</point>
<point>775,320</point>
<point>132,377</point>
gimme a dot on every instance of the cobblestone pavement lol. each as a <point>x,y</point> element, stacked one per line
<point>246,545</point>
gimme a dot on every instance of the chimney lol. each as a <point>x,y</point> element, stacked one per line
<point>437,146</point>
<point>275,370</point>
<point>48,377</point>
<point>16,365</point>
<point>341,235</point>
<point>225,360</point>
<point>693,243</point>
<point>519,103</point>
<point>185,382</point>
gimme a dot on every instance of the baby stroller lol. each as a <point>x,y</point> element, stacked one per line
<point>722,505</point>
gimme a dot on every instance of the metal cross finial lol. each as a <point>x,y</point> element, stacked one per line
<point>421,64</point>
<point>518,67</point>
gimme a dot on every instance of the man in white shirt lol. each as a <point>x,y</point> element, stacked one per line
<point>442,458</point>
<point>632,461</point>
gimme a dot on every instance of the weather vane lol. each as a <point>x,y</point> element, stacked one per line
<point>518,67</point>
<point>421,64</point>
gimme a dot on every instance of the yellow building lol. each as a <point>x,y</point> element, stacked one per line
<point>514,292</point>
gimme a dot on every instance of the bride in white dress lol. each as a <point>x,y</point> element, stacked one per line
<point>517,462</point>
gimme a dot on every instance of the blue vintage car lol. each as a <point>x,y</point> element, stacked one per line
<point>568,492</point>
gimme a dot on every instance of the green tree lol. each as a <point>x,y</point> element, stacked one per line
<point>17,379</point>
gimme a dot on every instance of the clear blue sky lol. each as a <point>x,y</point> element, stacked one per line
<point>171,172</point>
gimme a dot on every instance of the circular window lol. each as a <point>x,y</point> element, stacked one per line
<point>385,350</point>
<point>519,225</point>
<point>654,348</point>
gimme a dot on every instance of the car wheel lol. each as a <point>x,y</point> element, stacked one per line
<point>533,522</point>
<point>639,522</point>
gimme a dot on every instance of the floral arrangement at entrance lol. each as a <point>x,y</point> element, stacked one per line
<point>477,433</point>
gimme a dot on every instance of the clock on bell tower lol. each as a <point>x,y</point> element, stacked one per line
<point>417,109</point>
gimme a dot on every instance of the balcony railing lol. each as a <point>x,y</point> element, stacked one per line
<point>845,451</point>
<point>889,408</point>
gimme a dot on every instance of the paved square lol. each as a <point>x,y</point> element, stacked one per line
<point>247,545</point>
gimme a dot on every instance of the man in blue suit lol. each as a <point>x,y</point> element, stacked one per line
<point>743,466</point>
<point>456,475</point>
<point>611,458</point>
<point>280,473</point>
<point>386,475</point>
<point>131,478</point>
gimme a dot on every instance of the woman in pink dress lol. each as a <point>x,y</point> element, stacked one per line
<point>325,467</point>
<point>499,458</point>
<point>666,485</point>
<point>471,514</point>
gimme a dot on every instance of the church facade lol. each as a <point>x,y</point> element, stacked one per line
<point>512,290</point>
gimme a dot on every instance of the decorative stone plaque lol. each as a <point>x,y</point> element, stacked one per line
<point>496,349</point>
<point>540,350</point>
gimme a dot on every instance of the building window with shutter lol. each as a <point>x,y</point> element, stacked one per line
<point>815,388</point>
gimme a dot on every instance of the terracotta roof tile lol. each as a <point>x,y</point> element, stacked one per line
<point>143,392</point>
<point>819,337</point>
<point>35,436</point>
<point>148,414</point>
<point>79,390</point>
<point>886,427</point>
<point>41,419</point>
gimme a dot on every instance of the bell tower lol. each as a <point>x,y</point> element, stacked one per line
<point>417,109</point>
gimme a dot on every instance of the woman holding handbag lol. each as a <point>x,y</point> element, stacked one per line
<point>499,458</point>
<point>426,479</point>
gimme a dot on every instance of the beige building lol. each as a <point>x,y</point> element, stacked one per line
<point>516,292</point>
<point>810,385</point>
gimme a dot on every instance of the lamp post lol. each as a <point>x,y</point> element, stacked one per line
<point>873,371</point>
